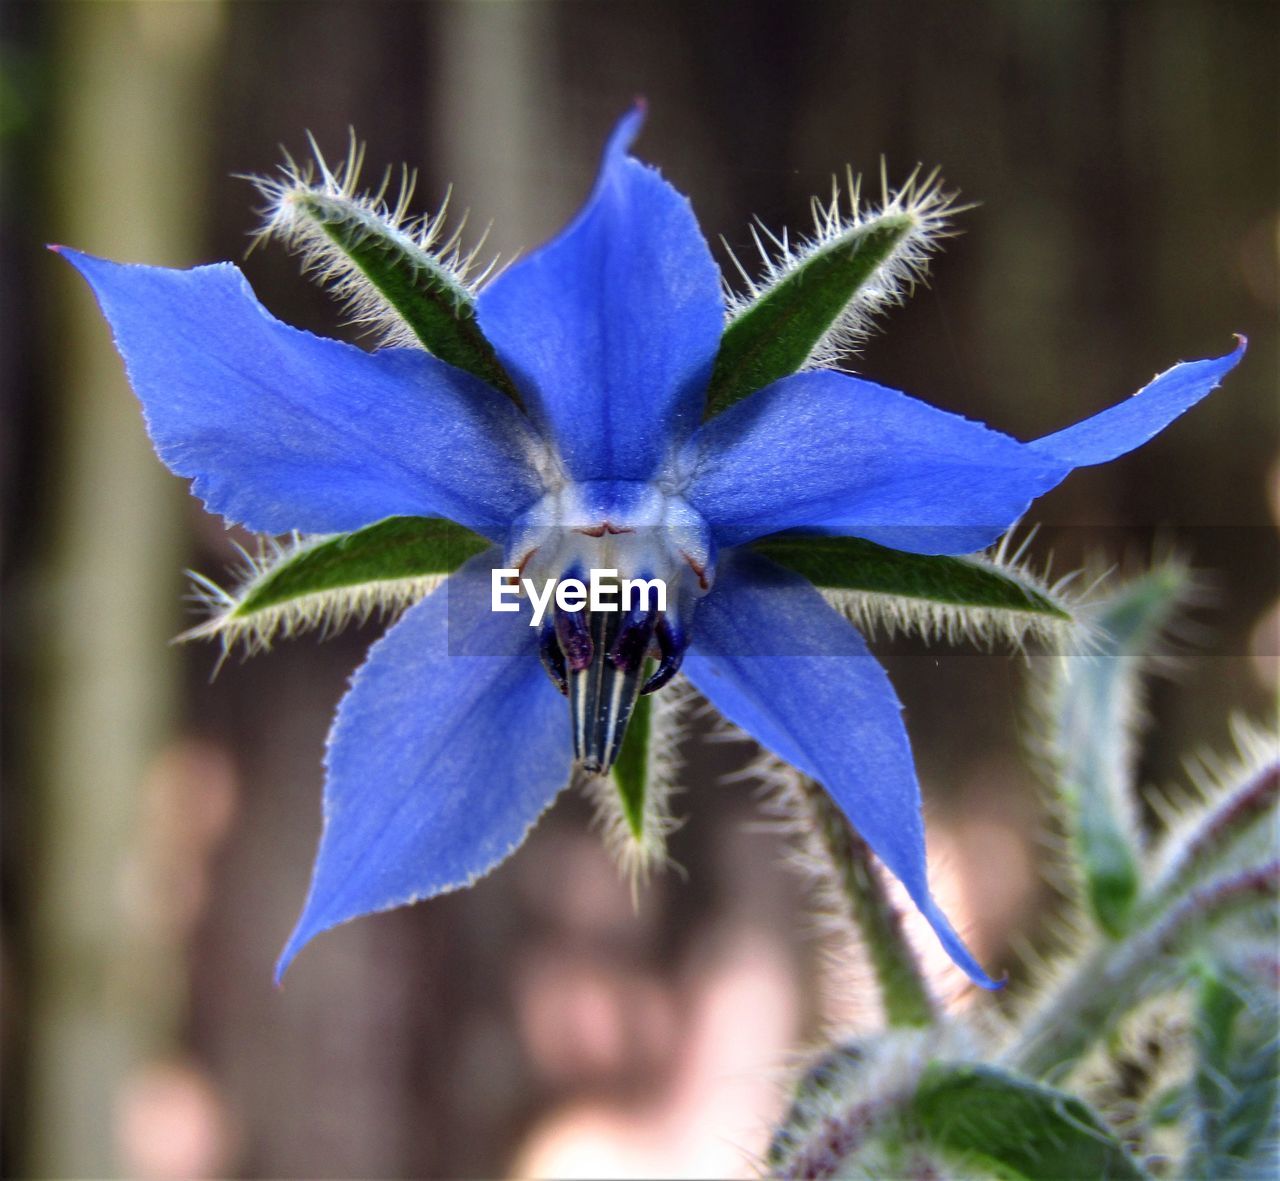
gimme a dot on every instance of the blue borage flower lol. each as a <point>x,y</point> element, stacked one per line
<point>587,447</point>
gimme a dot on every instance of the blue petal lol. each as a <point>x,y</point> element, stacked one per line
<point>610,331</point>
<point>284,430</point>
<point>825,451</point>
<point>1119,429</point>
<point>450,744</point>
<point>773,657</point>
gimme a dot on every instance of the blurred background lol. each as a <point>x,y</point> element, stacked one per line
<point>158,824</point>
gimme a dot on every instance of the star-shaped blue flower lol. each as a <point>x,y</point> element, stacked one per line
<point>453,739</point>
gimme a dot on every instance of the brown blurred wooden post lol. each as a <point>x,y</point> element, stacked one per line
<point>128,163</point>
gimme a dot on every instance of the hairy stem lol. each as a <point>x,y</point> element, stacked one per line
<point>855,881</point>
<point>1105,984</point>
<point>837,1137</point>
<point>1221,831</point>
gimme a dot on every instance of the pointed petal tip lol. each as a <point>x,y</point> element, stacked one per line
<point>828,673</point>
<point>1228,360</point>
<point>1136,420</point>
<point>75,257</point>
<point>1231,359</point>
<point>407,818</point>
<point>90,266</point>
<point>955,947</point>
<point>627,129</point>
<point>633,269</point>
<point>287,956</point>
<point>313,920</point>
<point>302,934</point>
<point>962,958</point>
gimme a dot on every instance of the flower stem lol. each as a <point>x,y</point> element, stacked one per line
<point>855,882</point>
<point>1106,984</point>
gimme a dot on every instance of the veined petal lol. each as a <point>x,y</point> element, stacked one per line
<point>610,330</point>
<point>774,658</point>
<point>449,745</point>
<point>832,453</point>
<point>283,430</point>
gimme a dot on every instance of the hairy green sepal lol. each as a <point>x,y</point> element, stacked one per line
<point>631,770</point>
<point>1093,717</point>
<point>1018,1129</point>
<point>850,563</point>
<point>778,331</point>
<point>396,549</point>
<point>425,293</point>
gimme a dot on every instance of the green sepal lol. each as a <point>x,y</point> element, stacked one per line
<point>422,289</point>
<point>777,332</point>
<point>1018,1129</point>
<point>392,550</point>
<point>631,769</point>
<point>1112,873</point>
<point>852,564</point>
<point>1093,715</point>
<point>328,582</point>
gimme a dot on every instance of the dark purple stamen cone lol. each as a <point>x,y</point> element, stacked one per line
<point>601,695</point>
<point>634,636</point>
<point>673,643</point>
<point>551,656</point>
<point>574,634</point>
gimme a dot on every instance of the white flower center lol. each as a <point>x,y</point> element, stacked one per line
<point>628,532</point>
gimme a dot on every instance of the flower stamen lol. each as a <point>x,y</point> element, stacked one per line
<point>552,657</point>
<point>673,643</point>
<point>603,693</point>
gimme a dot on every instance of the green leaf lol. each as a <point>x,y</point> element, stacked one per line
<point>1094,702</point>
<point>778,331</point>
<point>327,581</point>
<point>631,770</point>
<point>852,564</point>
<point>423,289</point>
<point>1016,1128</point>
